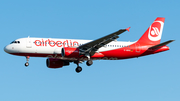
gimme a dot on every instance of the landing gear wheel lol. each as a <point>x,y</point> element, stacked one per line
<point>27,61</point>
<point>89,62</point>
<point>26,64</point>
<point>78,69</point>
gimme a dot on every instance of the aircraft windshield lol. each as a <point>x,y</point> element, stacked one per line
<point>16,42</point>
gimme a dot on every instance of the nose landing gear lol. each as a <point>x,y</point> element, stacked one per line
<point>27,61</point>
<point>26,64</point>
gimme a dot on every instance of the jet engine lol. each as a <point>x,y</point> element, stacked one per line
<point>56,63</point>
<point>70,52</point>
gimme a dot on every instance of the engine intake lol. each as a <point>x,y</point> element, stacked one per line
<point>56,63</point>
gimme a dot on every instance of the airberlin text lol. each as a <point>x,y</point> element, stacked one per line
<point>52,43</point>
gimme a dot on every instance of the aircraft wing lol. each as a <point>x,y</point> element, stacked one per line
<point>91,47</point>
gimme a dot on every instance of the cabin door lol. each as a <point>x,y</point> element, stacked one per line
<point>28,43</point>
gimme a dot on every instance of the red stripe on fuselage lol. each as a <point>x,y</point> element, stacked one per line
<point>121,53</point>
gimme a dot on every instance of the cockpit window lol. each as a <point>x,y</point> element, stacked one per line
<point>16,42</point>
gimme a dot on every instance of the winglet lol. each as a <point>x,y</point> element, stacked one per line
<point>128,29</point>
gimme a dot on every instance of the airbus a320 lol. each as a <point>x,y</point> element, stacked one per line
<point>61,52</point>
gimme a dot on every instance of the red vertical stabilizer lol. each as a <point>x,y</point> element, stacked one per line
<point>153,34</point>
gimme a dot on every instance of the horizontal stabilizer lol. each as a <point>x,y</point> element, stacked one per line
<point>162,44</point>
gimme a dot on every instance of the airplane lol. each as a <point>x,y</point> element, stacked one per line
<point>61,52</point>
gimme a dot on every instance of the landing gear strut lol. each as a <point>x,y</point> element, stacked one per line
<point>89,61</point>
<point>78,69</point>
<point>27,61</point>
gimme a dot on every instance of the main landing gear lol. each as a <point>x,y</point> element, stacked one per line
<point>27,61</point>
<point>79,69</point>
<point>89,62</point>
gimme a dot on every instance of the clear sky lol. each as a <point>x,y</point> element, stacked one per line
<point>150,78</point>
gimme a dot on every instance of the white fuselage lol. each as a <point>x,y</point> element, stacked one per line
<point>43,47</point>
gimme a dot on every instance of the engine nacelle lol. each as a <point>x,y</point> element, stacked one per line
<point>56,63</point>
<point>70,52</point>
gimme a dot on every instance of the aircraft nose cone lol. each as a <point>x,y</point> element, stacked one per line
<point>7,49</point>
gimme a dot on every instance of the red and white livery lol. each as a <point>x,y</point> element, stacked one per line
<point>61,52</point>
